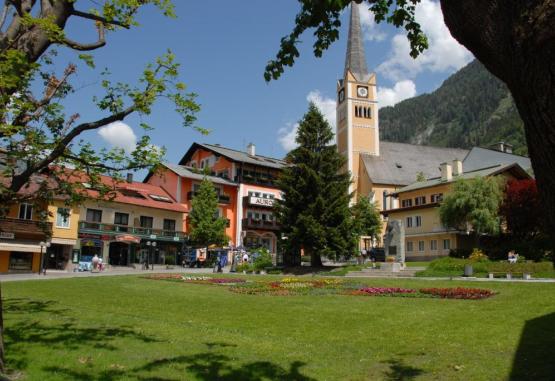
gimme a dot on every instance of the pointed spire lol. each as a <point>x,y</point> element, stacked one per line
<point>355,61</point>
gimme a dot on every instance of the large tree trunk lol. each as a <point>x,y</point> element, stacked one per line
<point>515,40</point>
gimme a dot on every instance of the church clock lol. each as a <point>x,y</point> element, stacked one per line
<point>341,95</point>
<point>362,91</point>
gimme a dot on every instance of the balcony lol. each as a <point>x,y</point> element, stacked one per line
<point>258,202</point>
<point>140,232</point>
<point>14,228</point>
<point>269,181</point>
<point>222,198</point>
<point>251,223</point>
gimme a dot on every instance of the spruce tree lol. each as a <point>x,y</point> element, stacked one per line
<point>207,228</point>
<point>314,213</point>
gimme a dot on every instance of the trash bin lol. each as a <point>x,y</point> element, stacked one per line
<point>468,270</point>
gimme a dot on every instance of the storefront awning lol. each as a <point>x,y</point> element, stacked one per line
<point>20,246</point>
<point>128,238</point>
<point>63,241</point>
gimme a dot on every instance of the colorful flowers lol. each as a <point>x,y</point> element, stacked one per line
<point>383,291</point>
<point>458,293</point>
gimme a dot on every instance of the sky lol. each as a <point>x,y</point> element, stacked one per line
<point>223,47</point>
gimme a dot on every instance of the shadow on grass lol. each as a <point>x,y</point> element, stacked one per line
<point>58,330</point>
<point>398,371</point>
<point>206,366</point>
<point>532,359</point>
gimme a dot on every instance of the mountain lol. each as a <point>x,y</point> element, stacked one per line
<point>471,108</point>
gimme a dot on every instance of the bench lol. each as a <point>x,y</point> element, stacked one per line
<point>509,275</point>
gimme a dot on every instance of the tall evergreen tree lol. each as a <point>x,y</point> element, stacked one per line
<point>207,227</point>
<point>314,213</point>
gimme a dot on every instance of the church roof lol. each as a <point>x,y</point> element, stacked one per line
<point>399,163</point>
<point>479,157</point>
<point>355,60</point>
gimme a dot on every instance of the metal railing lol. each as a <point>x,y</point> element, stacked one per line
<point>251,223</point>
<point>142,232</point>
<point>222,198</point>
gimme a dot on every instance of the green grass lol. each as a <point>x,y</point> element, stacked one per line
<point>417,264</point>
<point>129,328</point>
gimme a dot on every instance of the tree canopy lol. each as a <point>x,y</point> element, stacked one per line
<point>366,218</point>
<point>473,205</point>
<point>206,226</point>
<point>314,212</point>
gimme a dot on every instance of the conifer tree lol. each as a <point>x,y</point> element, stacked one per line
<point>314,213</point>
<point>207,227</point>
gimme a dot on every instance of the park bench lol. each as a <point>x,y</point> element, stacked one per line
<point>509,274</point>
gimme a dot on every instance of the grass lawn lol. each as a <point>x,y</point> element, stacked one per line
<point>417,264</point>
<point>130,328</point>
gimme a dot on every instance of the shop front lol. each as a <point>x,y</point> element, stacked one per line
<point>123,249</point>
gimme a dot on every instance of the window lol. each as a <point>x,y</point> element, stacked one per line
<point>410,246</point>
<point>409,222</point>
<point>25,211</point>
<point>446,244</point>
<point>420,200</point>
<point>406,203</point>
<point>156,197</point>
<point>433,244</point>
<point>169,224</point>
<point>146,222</point>
<point>418,220</point>
<point>121,219</point>
<point>420,245</point>
<point>437,197</point>
<point>62,218</point>
<point>94,215</point>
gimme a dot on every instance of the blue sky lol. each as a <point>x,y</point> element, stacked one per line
<point>223,48</point>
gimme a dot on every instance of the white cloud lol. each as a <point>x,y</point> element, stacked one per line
<point>444,52</point>
<point>371,30</point>
<point>401,91</point>
<point>119,134</point>
<point>287,134</point>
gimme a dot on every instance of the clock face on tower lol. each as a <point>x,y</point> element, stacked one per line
<point>341,95</point>
<point>362,91</point>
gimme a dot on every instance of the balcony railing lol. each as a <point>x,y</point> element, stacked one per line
<point>258,180</point>
<point>251,223</point>
<point>27,227</point>
<point>222,198</point>
<point>141,232</point>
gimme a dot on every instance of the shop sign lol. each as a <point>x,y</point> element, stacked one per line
<point>7,235</point>
<point>260,201</point>
<point>153,236</point>
<point>91,242</point>
<point>128,238</point>
<point>87,235</point>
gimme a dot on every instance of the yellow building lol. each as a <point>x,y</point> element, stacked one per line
<point>380,168</point>
<point>418,212</point>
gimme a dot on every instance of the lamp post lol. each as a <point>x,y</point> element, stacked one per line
<point>43,245</point>
<point>151,246</point>
<point>153,253</point>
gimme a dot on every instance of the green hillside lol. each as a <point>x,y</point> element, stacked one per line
<point>471,108</point>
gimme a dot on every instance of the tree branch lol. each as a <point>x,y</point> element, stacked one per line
<point>101,19</point>
<point>101,165</point>
<point>85,47</point>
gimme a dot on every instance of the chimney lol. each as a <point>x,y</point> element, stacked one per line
<point>508,148</point>
<point>457,167</point>
<point>251,149</point>
<point>446,172</point>
<point>129,177</point>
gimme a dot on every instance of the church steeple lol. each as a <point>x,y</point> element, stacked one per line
<point>355,60</point>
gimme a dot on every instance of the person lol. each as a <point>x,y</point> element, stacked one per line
<point>512,257</point>
<point>100,264</point>
<point>95,260</point>
<point>364,253</point>
<point>245,257</point>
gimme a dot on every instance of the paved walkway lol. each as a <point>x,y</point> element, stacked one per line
<point>57,274</point>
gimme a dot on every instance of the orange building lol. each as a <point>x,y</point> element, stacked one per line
<point>246,188</point>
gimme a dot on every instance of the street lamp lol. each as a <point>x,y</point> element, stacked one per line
<point>153,245</point>
<point>43,245</point>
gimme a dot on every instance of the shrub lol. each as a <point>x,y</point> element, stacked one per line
<point>390,258</point>
<point>244,267</point>
<point>460,253</point>
<point>458,293</point>
<point>478,256</point>
<point>263,260</point>
<point>527,267</point>
<point>170,260</point>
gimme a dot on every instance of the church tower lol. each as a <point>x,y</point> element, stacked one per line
<point>357,104</point>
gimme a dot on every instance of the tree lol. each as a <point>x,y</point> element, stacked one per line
<point>207,227</point>
<point>36,134</point>
<point>314,212</point>
<point>473,205</point>
<point>39,142</point>
<point>366,219</point>
<point>515,40</point>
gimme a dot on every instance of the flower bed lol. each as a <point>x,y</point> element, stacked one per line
<point>458,293</point>
<point>391,291</point>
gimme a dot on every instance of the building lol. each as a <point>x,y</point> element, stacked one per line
<point>246,188</point>
<point>380,168</point>
<point>425,236</point>
<point>138,222</point>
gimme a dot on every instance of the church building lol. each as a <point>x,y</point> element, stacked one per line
<point>379,168</point>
